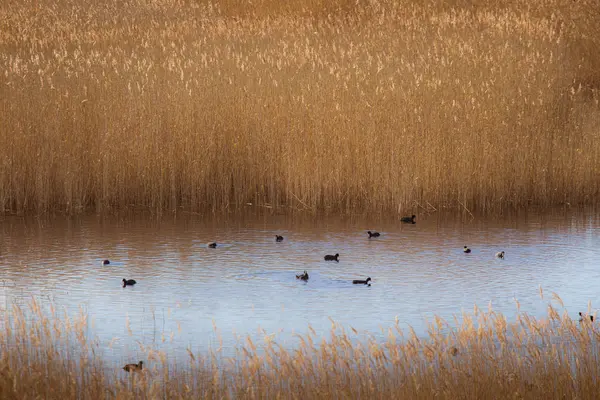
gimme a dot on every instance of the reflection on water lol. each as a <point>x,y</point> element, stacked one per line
<point>248,285</point>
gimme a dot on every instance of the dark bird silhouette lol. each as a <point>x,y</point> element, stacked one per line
<point>303,276</point>
<point>582,318</point>
<point>212,245</point>
<point>466,250</point>
<point>329,257</point>
<point>409,220</point>
<point>134,367</point>
<point>105,262</point>
<point>128,282</point>
<point>278,238</point>
<point>373,234</point>
<point>361,282</point>
<point>500,254</point>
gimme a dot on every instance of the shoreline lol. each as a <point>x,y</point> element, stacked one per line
<point>485,357</point>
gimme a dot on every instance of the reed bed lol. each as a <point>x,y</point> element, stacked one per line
<point>483,356</point>
<point>321,106</point>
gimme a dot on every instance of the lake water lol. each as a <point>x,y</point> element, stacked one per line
<point>247,285</point>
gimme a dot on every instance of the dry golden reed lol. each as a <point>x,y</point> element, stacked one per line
<point>328,106</point>
<point>47,355</point>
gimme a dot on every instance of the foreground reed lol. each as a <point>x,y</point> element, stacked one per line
<point>483,357</point>
<point>342,106</point>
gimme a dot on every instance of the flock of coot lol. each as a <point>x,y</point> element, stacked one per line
<point>329,257</point>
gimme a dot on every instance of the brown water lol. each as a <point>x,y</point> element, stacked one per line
<point>247,285</point>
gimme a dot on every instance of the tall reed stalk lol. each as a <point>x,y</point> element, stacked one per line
<point>326,106</point>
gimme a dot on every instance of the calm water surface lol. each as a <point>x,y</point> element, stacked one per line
<point>247,285</point>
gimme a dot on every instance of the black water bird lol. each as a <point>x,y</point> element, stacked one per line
<point>278,238</point>
<point>303,276</point>
<point>373,234</point>
<point>409,220</point>
<point>212,245</point>
<point>581,317</point>
<point>128,282</point>
<point>134,367</point>
<point>466,250</point>
<point>361,282</point>
<point>329,257</point>
<point>105,262</point>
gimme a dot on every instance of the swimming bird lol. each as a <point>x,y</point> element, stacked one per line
<point>303,276</point>
<point>278,238</point>
<point>329,257</point>
<point>409,220</point>
<point>212,245</point>
<point>105,262</point>
<point>128,282</point>
<point>361,282</point>
<point>466,250</point>
<point>134,367</point>
<point>500,254</point>
<point>373,234</point>
<point>581,318</point>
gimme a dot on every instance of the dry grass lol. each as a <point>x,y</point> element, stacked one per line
<point>328,106</point>
<point>483,357</point>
